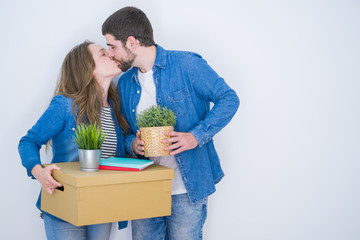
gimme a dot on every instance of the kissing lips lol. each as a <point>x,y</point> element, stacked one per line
<point>117,63</point>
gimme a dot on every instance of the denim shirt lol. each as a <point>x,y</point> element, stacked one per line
<point>57,123</point>
<point>186,84</point>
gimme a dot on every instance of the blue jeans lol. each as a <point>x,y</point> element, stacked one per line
<point>59,230</point>
<point>186,222</point>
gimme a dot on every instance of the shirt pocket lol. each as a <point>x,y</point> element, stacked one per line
<point>181,102</point>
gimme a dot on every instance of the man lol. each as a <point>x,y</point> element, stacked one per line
<point>185,83</point>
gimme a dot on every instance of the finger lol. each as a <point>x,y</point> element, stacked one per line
<point>140,142</point>
<point>58,184</point>
<point>139,152</point>
<point>173,146</point>
<point>54,183</point>
<point>55,167</point>
<point>177,151</point>
<point>171,140</point>
<point>49,169</point>
<point>172,133</point>
<point>138,134</point>
<point>50,190</point>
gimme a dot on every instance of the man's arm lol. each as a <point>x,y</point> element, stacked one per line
<point>208,85</point>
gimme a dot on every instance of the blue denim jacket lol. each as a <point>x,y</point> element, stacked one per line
<point>186,84</point>
<point>56,123</point>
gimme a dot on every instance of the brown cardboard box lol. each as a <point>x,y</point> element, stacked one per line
<point>109,196</point>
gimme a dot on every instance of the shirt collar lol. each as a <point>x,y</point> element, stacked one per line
<point>160,61</point>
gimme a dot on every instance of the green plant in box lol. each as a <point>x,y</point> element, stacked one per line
<point>156,116</point>
<point>89,136</point>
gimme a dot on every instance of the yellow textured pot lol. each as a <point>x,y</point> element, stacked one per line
<point>153,137</point>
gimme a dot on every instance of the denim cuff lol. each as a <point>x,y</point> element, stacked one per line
<point>200,135</point>
<point>30,167</point>
<point>128,144</point>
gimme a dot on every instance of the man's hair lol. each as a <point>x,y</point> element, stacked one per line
<point>129,21</point>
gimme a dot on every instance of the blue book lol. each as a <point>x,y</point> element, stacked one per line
<point>124,164</point>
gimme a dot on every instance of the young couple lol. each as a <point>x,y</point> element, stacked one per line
<point>181,81</point>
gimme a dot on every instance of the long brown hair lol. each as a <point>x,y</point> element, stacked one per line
<point>77,82</point>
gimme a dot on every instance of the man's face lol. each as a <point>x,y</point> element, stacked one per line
<point>119,53</point>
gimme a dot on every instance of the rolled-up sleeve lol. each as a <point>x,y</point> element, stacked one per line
<point>50,123</point>
<point>209,86</point>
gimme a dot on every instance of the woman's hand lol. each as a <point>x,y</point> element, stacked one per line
<point>43,175</point>
<point>138,145</point>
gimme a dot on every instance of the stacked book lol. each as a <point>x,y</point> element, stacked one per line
<point>124,164</point>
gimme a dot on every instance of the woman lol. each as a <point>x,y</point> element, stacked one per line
<point>85,94</point>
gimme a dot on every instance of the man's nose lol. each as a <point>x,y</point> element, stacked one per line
<point>110,53</point>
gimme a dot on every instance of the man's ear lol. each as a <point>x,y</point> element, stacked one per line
<point>132,43</point>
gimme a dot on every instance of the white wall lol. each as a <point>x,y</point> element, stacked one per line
<point>291,153</point>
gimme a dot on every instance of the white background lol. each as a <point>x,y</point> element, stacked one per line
<point>291,153</point>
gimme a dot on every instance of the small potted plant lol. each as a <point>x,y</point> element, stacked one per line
<point>154,123</point>
<point>89,138</point>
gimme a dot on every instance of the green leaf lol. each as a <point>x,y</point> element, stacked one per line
<point>156,116</point>
<point>89,136</point>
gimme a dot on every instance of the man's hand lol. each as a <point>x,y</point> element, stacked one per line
<point>43,175</point>
<point>181,141</point>
<point>138,145</point>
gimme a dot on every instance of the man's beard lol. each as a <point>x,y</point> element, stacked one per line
<point>126,65</point>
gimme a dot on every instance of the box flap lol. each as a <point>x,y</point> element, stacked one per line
<point>70,173</point>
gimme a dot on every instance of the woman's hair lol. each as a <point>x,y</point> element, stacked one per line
<point>77,82</point>
<point>129,21</point>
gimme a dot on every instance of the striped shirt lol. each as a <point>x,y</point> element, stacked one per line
<point>108,148</point>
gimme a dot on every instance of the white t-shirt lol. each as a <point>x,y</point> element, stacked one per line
<point>148,99</point>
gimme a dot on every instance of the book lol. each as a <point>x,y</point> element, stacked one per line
<point>120,168</point>
<point>124,164</point>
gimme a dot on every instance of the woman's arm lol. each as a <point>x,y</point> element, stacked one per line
<point>50,124</point>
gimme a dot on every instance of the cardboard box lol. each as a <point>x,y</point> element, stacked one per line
<point>109,196</point>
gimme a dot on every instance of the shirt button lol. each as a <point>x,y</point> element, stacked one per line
<point>138,91</point>
<point>133,110</point>
<point>73,129</point>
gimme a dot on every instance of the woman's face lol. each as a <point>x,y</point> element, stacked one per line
<point>105,68</point>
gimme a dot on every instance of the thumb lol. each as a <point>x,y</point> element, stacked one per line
<point>53,167</point>
<point>56,167</point>
<point>138,134</point>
